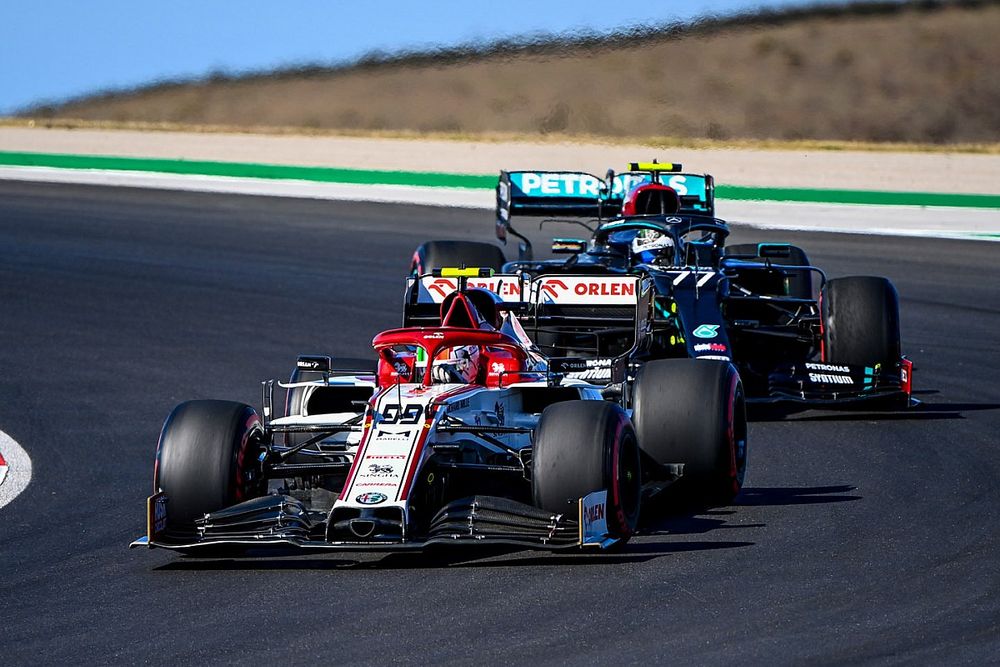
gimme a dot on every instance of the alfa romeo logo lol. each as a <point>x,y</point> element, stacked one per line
<point>371,498</point>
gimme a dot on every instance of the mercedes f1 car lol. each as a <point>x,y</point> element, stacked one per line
<point>463,434</point>
<point>794,335</point>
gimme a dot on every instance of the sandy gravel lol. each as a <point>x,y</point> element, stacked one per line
<point>958,172</point>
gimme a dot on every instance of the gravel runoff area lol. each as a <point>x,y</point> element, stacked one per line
<point>858,170</point>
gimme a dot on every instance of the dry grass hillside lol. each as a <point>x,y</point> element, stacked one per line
<point>925,73</point>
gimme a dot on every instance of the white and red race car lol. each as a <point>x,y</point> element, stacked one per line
<point>462,434</point>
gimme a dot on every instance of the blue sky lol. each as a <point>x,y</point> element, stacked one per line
<point>54,49</point>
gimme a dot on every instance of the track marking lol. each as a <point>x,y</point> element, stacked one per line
<point>978,224</point>
<point>15,469</point>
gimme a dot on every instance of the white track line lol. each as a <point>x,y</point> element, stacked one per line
<point>405,194</point>
<point>933,222</point>
<point>18,470</point>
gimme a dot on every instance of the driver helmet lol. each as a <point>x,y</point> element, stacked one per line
<point>650,245</point>
<point>459,364</point>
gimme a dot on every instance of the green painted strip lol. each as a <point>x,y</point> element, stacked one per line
<point>857,197</point>
<point>474,181</point>
<point>248,170</point>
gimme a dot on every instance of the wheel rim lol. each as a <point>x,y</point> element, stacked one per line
<point>627,480</point>
<point>739,440</point>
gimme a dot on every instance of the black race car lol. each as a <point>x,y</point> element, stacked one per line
<point>793,334</point>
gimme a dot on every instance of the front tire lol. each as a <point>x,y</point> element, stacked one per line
<point>586,446</point>
<point>692,411</point>
<point>860,317</point>
<point>206,459</point>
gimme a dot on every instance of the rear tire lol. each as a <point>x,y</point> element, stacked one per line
<point>582,447</point>
<point>798,284</point>
<point>206,459</point>
<point>692,411</point>
<point>441,254</point>
<point>860,321</point>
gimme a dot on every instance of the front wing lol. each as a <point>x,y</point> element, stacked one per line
<point>281,521</point>
<point>816,383</point>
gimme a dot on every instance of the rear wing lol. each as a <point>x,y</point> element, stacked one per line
<point>582,195</point>
<point>587,326</point>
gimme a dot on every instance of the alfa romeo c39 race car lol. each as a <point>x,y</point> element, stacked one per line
<point>794,335</point>
<point>463,434</point>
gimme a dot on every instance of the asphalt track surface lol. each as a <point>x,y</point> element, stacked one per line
<point>860,537</point>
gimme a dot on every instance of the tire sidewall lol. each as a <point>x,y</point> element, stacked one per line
<point>587,446</point>
<point>204,454</point>
<point>692,412</point>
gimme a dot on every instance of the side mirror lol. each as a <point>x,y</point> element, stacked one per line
<point>774,250</point>
<point>314,362</point>
<point>568,246</point>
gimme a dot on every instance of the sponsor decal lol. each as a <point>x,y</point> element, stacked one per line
<point>593,517</point>
<point>553,288</point>
<point>828,368</point>
<point>717,357</point>
<point>437,335</point>
<point>313,363</point>
<point>389,436</point>
<point>575,246</point>
<point>371,498</point>
<point>597,369</point>
<point>710,347</point>
<point>396,457</point>
<point>826,378</point>
<point>500,413</point>
<point>678,183</point>
<point>504,286</point>
<point>379,470</point>
<point>557,185</point>
<point>594,513</point>
<point>156,517</point>
<point>587,290</point>
<point>706,331</point>
<point>460,405</point>
<point>598,374</point>
<point>683,184</point>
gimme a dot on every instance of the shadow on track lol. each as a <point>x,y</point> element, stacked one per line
<point>675,513</point>
<point>458,557</point>
<point>797,495</point>
<point>921,412</point>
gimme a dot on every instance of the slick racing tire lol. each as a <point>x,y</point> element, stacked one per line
<point>693,411</point>
<point>582,447</point>
<point>207,459</point>
<point>797,285</point>
<point>455,254</point>
<point>860,316</point>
